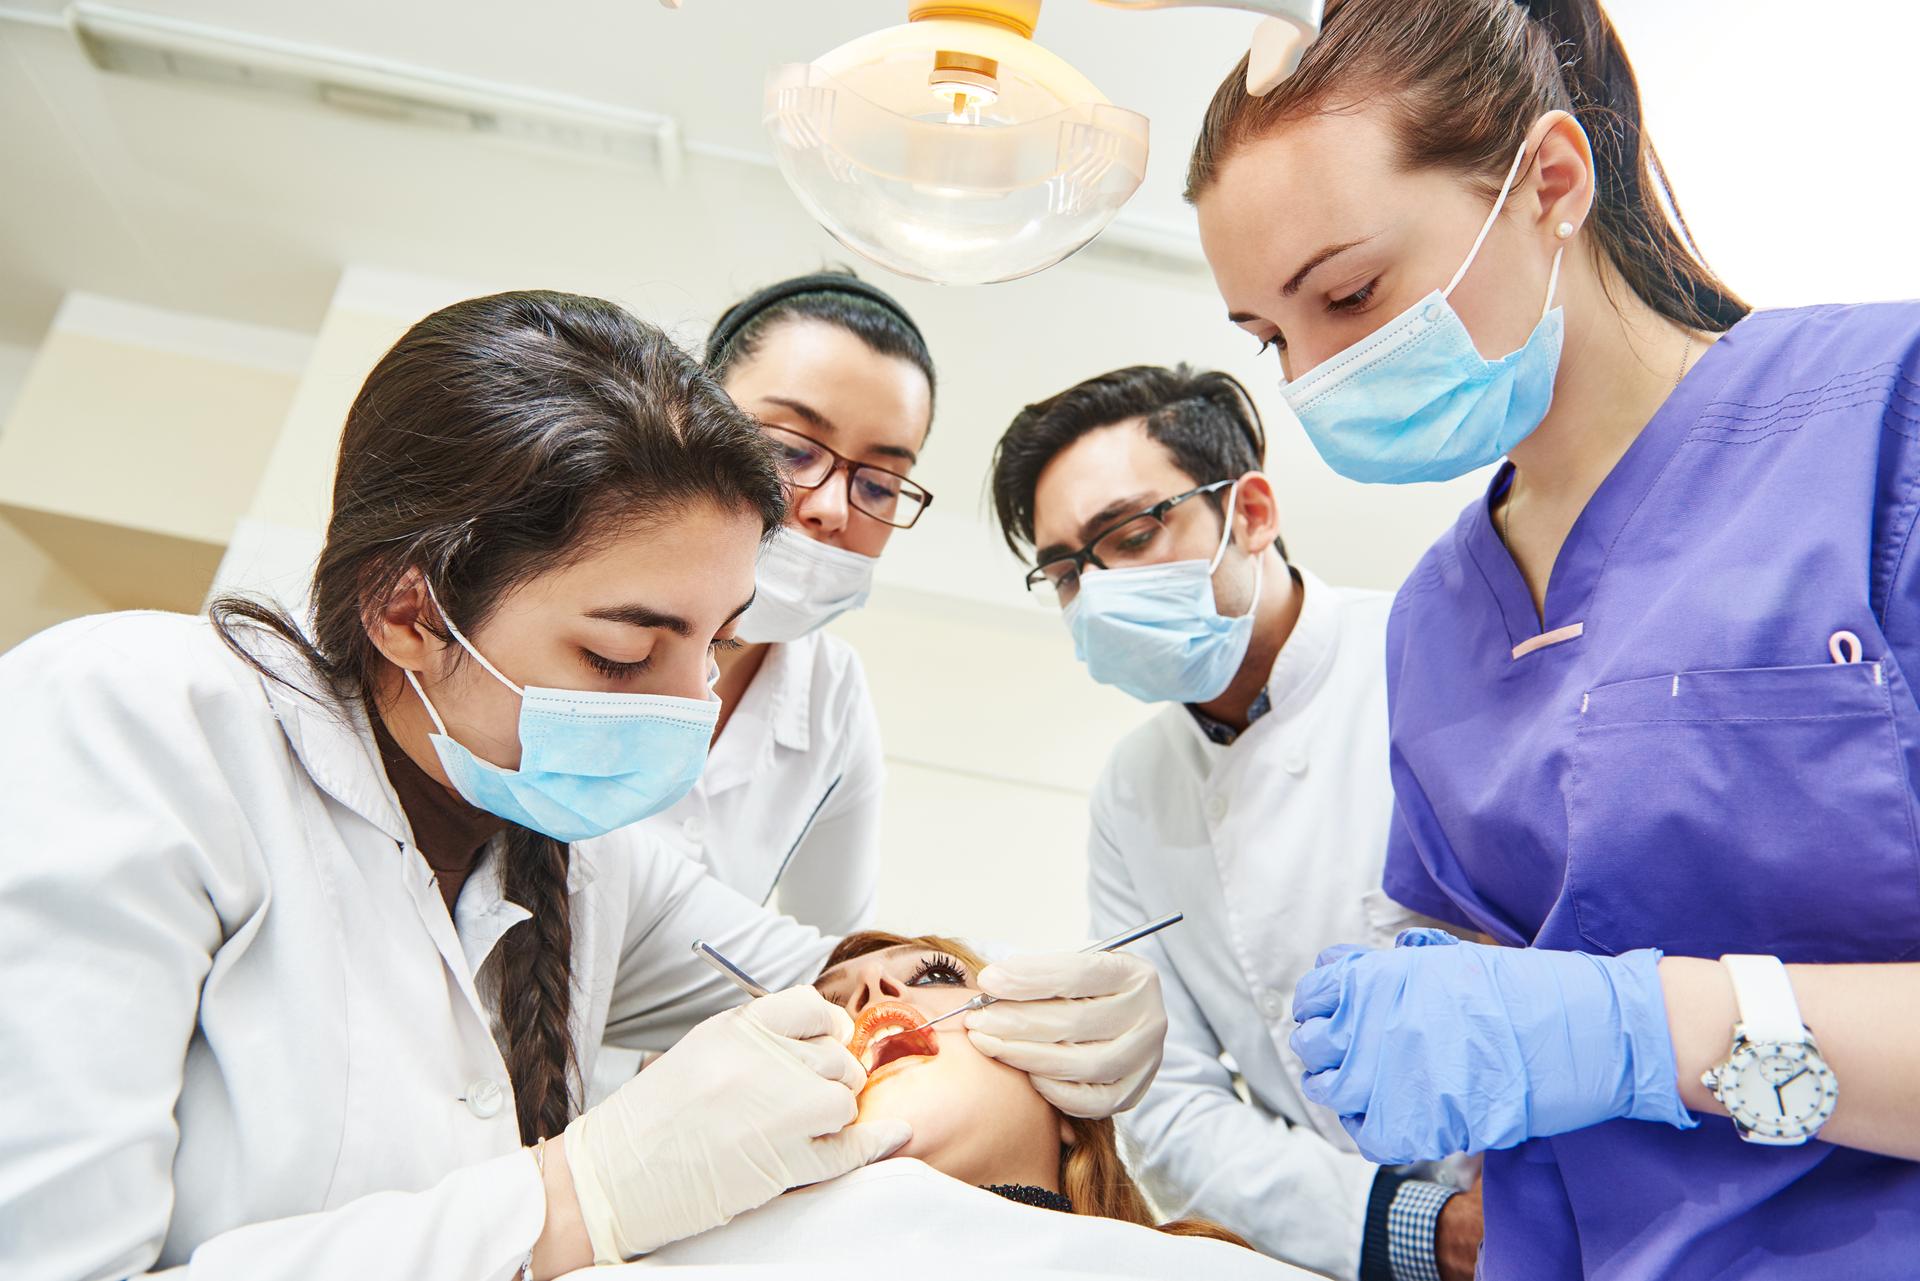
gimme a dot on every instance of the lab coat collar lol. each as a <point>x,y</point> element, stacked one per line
<point>334,744</point>
<point>776,710</point>
<point>1302,665</point>
<point>792,690</point>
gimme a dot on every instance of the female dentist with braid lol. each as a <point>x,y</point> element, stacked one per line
<point>1652,717</point>
<point>311,931</point>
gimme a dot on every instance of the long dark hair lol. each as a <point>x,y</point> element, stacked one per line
<point>499,438</point>
<point>1465,78</point>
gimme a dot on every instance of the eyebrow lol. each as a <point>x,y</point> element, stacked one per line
<point>820,422</point>
<point>646,616</point>
<point>1092,525</point>
<point>1299,278</point>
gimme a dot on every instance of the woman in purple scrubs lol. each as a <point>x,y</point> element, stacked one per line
<point>1653,718</point>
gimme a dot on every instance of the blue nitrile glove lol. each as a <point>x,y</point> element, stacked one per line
<point>1436,1046</point>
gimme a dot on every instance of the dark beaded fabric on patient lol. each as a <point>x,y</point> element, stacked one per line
<point>1027,1194</point>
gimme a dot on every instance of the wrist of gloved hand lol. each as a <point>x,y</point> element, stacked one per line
<point>749,1103</point>
<point>1435,1046</point>
<point>1087,1027</point>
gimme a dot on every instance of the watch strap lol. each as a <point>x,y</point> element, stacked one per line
<point>1764,995</point>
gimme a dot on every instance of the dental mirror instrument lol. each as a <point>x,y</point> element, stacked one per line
<point>731,972</point>
<point>1118,941</point>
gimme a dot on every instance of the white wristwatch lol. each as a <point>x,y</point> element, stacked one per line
<point>1774,1083</point>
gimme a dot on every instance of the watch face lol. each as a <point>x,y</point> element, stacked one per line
<point>1778,1090</point>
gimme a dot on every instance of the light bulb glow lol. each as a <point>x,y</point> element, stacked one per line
<point>953,151</point>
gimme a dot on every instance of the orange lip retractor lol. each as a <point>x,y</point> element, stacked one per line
<point>888,1031</point>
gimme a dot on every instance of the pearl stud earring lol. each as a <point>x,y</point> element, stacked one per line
<point>1564,230</point>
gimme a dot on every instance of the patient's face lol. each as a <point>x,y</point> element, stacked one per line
<point>973,1117</point>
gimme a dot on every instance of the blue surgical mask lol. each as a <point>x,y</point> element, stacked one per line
<point>1415,400</point>
<point>1154,630</point>
<point>590,762</point>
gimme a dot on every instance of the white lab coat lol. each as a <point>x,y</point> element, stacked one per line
<point>1273,847</point>
<point>805,736</point>
<point>902,1217</point>
<point>239,1031</point>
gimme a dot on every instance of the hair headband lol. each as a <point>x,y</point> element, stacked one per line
<point>744,312</point>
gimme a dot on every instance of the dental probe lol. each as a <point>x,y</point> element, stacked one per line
<point>1118,941</point>
<point>731,972</point>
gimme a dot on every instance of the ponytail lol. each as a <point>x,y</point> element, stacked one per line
<point>1464,77</point>
<point>1653,252</point>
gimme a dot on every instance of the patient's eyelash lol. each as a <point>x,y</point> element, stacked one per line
<point>1277,341</point>
<point>728,645</point>
<point>938,968</point>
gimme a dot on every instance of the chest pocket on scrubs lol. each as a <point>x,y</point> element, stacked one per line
<point>1764,809</point>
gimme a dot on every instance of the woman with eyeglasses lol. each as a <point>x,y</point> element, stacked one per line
<point>839,377</point>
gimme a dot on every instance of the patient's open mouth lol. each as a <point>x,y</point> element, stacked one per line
<point>890,1031</point>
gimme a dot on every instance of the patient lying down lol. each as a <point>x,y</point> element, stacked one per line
<point>993,1177</point>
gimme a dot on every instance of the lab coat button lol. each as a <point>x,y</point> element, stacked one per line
<point>1273,1004</point>
<point>691,828</point>
<point>484,1098</point>
<point>1216,808</point>
<point>1296,765</point>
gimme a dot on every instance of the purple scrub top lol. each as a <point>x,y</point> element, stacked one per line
<point>1673,759</point>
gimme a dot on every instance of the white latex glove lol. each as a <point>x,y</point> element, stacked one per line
<point>750,1103</point>
<point>1087,1027</point>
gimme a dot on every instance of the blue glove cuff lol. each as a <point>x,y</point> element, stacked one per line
<point>1655,1079</point>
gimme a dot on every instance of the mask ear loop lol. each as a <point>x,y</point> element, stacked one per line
<point>1226,536</point>
<point>466,644</point>
<point>1487,226</point>
<point>439,725</point>
<point>1226,541</point>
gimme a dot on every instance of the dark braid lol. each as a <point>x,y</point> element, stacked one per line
<point>499,437</point>
<point>536,986</point>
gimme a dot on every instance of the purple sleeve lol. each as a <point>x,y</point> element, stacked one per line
<point>1406,878</point>
<point>1408,883</point>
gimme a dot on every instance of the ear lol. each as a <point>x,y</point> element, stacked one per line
<point>397,626</point>
<point>1256,514</point>
<point>1560,187</point>
<point>1066,1133</point>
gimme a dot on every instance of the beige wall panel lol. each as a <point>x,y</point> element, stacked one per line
<point>156,440</point>
<point>35,591</point>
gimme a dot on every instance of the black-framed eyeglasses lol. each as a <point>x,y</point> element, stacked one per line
<point>1130,541</point>
<point>887,496</point>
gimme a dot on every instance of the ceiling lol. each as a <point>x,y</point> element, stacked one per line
<point>1787,138</point>
<point>1782,134</point>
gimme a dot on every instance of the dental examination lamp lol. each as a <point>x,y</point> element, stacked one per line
<point>954,149</point>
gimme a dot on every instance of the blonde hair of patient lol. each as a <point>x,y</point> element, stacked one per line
<point>1092,1173</point>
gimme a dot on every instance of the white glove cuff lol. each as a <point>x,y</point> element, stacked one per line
<point>596,1209</point>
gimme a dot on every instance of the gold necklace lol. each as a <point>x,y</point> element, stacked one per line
<point>1506,508</point>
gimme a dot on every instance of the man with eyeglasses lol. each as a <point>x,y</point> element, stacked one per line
<point>1257,802</point>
